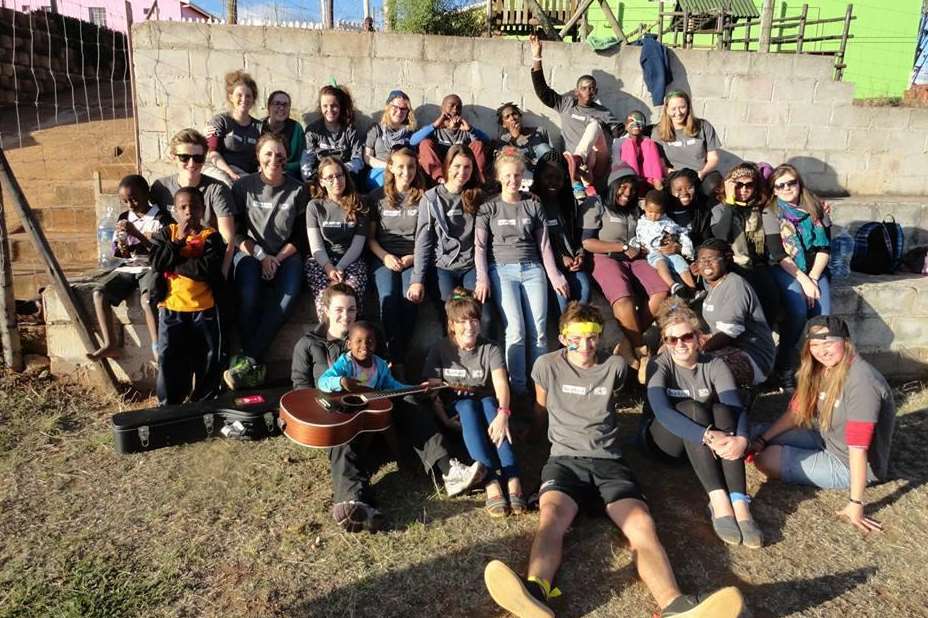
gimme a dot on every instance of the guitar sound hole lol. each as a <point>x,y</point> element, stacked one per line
<point>352,400</point>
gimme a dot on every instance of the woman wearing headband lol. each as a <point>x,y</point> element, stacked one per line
<point>687,140</point>
<point>697,412</point>
<point>838,430</point>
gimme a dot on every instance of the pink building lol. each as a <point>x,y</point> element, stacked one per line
<point>112,13</point>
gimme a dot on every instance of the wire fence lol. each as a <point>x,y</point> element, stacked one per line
<point>56,69</point>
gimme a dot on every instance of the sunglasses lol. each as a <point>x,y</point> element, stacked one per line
<point>744,185</point>
<point>786,184</point>
<point>685,338</point>
<point>184,157</point>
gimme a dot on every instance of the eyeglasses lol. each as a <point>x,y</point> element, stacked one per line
<point>786,184</point>
<point>399,109</point>
<point>685,338</point>
<point>184,157</point>
<point>333,178</point>
<point>709,260</point>
<point>280,103</point>
<point>744,185</point>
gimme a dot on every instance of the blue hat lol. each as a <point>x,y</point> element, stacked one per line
<point>396,93</point>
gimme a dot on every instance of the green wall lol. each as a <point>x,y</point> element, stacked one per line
<point>879,58</point>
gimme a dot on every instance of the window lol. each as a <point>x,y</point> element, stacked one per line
<point>98,16</point>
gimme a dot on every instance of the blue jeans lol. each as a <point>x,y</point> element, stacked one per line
<point>520,292</point>
<point>476,416</point>
<point>804,459</point>
<point>581,288</point>
<point>263,306</point>
<point>397,314</point>
<point>446,281</point>
<point>795,314</point>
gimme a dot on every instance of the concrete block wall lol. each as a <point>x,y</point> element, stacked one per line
<point>775,108</point>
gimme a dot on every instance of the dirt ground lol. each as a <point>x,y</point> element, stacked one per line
<point>226,528</point>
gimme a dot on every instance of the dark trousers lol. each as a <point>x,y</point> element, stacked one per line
<point>713,473</point>
<point>397,314</point>
<point>189,355</point>
<point>354,463</point>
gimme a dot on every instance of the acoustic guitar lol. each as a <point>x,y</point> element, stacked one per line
<point>316,419</point>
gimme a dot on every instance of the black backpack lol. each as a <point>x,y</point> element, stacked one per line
<point>878,247</point>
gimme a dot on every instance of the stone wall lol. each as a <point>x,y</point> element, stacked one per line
<point>770,107</point>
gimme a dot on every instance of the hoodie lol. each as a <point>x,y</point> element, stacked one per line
<point>312,355</point>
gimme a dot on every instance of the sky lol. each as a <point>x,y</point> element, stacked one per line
<point>292,10</point>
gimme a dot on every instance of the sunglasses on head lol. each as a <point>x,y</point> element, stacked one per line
<point>685,338</point>
<point>786,184</point>
<point>184,157</point>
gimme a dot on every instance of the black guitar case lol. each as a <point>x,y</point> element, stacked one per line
<point>242,415</point>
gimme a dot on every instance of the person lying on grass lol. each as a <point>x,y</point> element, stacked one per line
<point>575,388</point>
<point>838,429</point>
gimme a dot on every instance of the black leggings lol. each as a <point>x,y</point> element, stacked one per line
<point>713,473</point>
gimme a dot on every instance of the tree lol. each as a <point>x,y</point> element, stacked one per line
<point>436,17</point>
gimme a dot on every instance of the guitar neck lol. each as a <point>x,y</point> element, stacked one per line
<point>399,392</point>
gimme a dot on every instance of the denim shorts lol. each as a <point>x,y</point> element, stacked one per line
<point>804,460</point>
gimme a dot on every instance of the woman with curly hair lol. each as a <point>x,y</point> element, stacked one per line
<point>232,136</point>
<point>337,228</point>
<point>333,135</point>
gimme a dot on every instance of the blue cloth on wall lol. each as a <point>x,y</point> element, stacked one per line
<point>655,67</point>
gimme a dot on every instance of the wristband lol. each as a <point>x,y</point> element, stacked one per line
<point>706,438</point>
<point>853,501</point>
<point>536,58</point>
<point>762,440</point>
<point>259,252</point>
<point>504,411</point>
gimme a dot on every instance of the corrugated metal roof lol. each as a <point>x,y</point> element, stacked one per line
<point>738,8</point>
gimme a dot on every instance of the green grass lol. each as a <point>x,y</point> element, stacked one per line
<point>242,529</point>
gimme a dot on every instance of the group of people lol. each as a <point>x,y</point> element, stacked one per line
<point>521,229</point>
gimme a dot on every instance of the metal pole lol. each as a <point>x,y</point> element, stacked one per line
<point>9,334</point>
<point>766,25</point>
<point>231,11</point>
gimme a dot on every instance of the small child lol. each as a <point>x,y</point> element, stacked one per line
<point>640,152</point>
<point>131,242</point>
<point>664,241</point>
<point>465,358</point>
<point>359,367</point>
<point>188,257</point>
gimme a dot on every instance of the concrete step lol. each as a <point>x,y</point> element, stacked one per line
<point>116,171</point>
<point>909,212</point>
<point>28,280</point>
<point>74,250</point>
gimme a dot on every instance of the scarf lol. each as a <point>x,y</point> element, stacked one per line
<point>800,234</point>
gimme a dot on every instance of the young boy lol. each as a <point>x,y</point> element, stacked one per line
<point>188,256</point>
<point>575,388</point>
<point>450,128</point>
<point>359,367</point>
<point>665,241</point>
<point>131,242</point>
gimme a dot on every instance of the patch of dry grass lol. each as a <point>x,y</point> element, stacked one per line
<point>242,529</point>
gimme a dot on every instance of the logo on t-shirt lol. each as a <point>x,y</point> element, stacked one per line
<point>552,223</point>
<point>454,373</point>
<point>266,205</point>
<point>505,222</point>
<point>600,390</point>
<point>391,213</point>
<point>615,219</point>
<point>455,212</point>
<point>679,393</point>
<point>574,390</point>
<point>706,307</point>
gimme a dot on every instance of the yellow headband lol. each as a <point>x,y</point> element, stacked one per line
<point>582,329</point>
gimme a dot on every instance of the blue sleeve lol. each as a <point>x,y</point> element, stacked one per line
<point>678,424</point>
<point>385,379</point>
<point>421,134</point>
<point>331,379</point>
<point>476,133</point>
<point>356,163</point>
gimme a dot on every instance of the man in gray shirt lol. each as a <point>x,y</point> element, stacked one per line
<point>575,388</point>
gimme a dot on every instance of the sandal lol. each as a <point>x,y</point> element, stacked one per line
<point>518,504</point>
<point>497,506</point>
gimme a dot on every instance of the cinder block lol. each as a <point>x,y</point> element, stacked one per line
<point>445,48</point>
<point>787,89</point>
<point>554,54</point>
<point>906,142</point>
<point>845,301</point>
<point>851,215</point>
<point>346,44</point>
<point>180,35</point>
<point>815,67</point>
<point>398,45</point>
<point>771,64</point>
<point>387,72</point>
<point>774,115</point>
<point>745,136</point>
<point>808,115</point>
<point>511,53</point>
<point>142,34</point>
<point>686,60</point>
<point>825,138</point>
<point>787,137</point>
<point>213,65</point>
<point>868,140</point>
<point>852,117</point>
<point>729,62</point>
<point>827,183</point>
<point>890,117</point>
<point>320,70</point>
<point>828,91</point>
<point>271,71</point>
<point>918,119</point>
<point>751,88</point>
<point>910,331</point>
<point>297,41</point>
<point>710,85</point>
<point>870,332</point>
<point>238,38</point>
<point>847,162</point>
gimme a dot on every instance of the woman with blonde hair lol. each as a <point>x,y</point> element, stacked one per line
<point>838,429</point>
<point>392,133</point>
<point>687,141</point>
<point>233,136</point>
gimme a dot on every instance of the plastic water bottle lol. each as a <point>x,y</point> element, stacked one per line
<point>105,232</point>
<point>842,249</point>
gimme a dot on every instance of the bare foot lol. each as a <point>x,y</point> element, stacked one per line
<point>643,369</point>
<point>104,352</point>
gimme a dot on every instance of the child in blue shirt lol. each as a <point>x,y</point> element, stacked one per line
<point>359,367</point>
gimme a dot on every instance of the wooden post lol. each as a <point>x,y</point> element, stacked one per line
<point>747,34</point>
<point>9,335</point>
<point>546,24</point>
<point>580,12</point>
<point>766,25</point>
<point>135,111</point>
<point>802,28</point>
<point>686,28</point>
<point>62,287</point>
<point>231,11</point>
<point>613,22</point>
<point>660,24</point>
<point>839,57</point>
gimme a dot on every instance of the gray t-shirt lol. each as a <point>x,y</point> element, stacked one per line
<point>526,142</point>
<point>216,195</point>
<point>612,225</point>
<point>383,139</point>
<point>866,398</point>
<point>268,215</point>
<point>473,368</point>
<point>444,233</point>
<point>396,225</point>
<point>732,307</point>
<point>511,230</point>
<point>690,151</point>
<point>237,143</point>
<point>582,420</point>
<point>332,222</point>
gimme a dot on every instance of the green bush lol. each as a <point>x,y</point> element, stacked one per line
<point>437,17</point>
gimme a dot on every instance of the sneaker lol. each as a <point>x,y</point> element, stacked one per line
<point>460,478</point>
<point>724,603</point>
<point>355,516</point>
<point>520,598</point>
<point>681,291</point>
<point>244,372</point>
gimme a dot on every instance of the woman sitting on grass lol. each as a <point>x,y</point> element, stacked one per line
<point>838,430</point>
